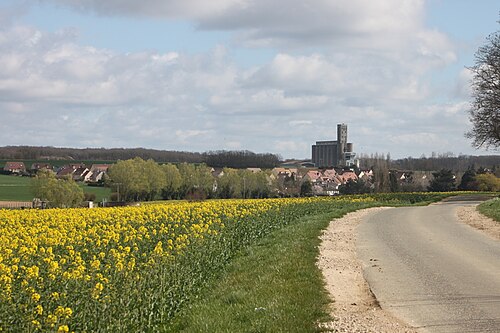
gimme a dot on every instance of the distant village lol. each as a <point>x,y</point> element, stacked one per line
<point>286,180</point>
<point>332,170</point>
<point>78,171</point>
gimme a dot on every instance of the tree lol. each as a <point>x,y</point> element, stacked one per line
<point>393,181</point>
<point>173,181</point>
<point>354,187</point>
<point>306,189</point>
<point>229,185</point>
<point>381,174</point>
<point>137,179</point>
<point>488,182</point>
<point>58,192</point>
<point>197,180</point>
<point>468,181</point>
<point>485,107</point>
<point>443,181</point>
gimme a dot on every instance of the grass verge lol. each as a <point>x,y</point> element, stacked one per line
<point>272,286</point>
<point>491,208</point>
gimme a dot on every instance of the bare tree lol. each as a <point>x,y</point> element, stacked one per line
<point>485,107</point>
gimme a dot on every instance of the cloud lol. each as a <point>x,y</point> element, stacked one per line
<point>357,23</point>
<point>150,8</point>
<point>355,62</point>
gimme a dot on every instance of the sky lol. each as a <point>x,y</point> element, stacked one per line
<point>265,76</point>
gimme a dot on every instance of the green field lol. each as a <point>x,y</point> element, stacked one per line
<point>16,188</point>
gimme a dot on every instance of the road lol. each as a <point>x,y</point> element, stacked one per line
<point>430,270</point>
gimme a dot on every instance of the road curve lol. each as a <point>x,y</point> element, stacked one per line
<point>430,270</point>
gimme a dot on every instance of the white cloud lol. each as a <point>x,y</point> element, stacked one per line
<point>333,23</point>
<point>184,135</point>
<point>299,123</point>
<point>368,67</point>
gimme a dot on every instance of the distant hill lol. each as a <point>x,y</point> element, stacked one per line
<point>98,154</point>
<point>220,158</point>
<point>458,163</point>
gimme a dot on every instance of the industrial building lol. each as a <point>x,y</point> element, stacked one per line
<point>329,154</point>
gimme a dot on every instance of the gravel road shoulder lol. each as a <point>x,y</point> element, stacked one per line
<point>354,308</point>
<point>472,217</point>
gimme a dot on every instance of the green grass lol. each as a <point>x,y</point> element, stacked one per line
<point>272,286</point>
<point>16,188</point>
<point>491,208</point>
<point>100,192</point>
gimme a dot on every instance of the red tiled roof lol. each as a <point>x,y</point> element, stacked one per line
<point>99,167</point>
<point>9,166</point>
<point>313,175</point>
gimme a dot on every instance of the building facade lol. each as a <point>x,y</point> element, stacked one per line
<point>328,154</point>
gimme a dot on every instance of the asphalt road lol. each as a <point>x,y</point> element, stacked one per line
<point>430,270</point>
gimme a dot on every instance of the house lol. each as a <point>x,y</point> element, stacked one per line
<point>81,173</point>
<point>40,166</point>
<point>14,167</point>
<point>217,172</point>
<point>330,173</point>
<point>86,176</point>
<point>324,182</point>
<point>314,176</point>
<point>365,175</point>
<point>96,173</point>
<point>100,167</point>
<point>254,170</point>
<point>348,175</point>
<point>96,176</point>
<point>65,171</point>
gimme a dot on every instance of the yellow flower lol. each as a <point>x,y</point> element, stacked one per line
<point>36,323</point>
<point>95,264</point>
<point>63,329</point>
<point>63,312</point>
<point>35,297</point>
<point>98,288</point>
<point>51,320</point>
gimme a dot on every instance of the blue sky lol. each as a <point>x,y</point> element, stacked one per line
<point>240,74</point>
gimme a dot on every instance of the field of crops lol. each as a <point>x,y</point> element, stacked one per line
<point>133,268</point>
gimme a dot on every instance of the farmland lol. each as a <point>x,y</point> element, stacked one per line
<point>136,268</point>
<point>16,188</point>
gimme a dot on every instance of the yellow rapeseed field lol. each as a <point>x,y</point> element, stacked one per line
<point>51,258</point>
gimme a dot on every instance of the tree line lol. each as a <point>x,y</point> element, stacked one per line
<point>219,158</point>
<point>143,180</point>
<point>98,154</point>
<point>435,162</point>
<point>240,159</point>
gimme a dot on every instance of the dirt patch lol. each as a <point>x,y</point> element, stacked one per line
<point>472,217</point>
<point>355,309</point>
